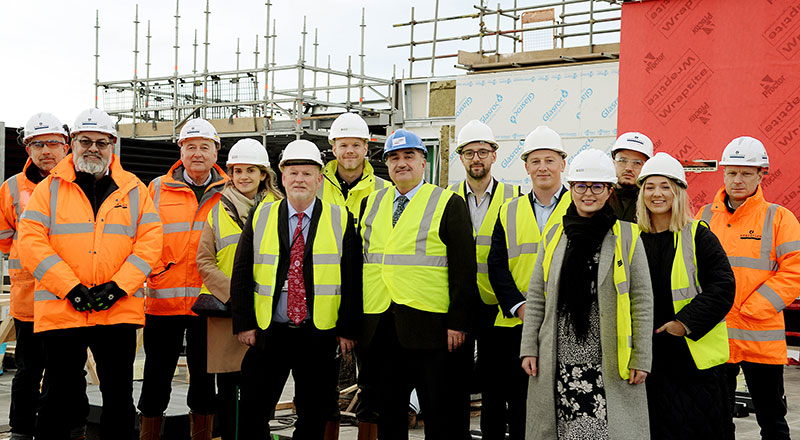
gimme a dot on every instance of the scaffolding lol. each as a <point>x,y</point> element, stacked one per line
<point>156,107</point>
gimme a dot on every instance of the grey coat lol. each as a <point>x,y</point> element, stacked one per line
<point>626,404</point>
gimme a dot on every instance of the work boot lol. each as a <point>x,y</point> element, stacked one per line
<point>332,430</point>
<point>201,425</point>
<point>367,431</point>
<point>150,427</point>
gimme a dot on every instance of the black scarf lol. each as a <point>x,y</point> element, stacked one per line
<point>577,288</point>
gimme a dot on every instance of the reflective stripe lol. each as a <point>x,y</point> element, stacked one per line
<point>72,228</point>
<point>371,217</point>
<point>483,268</point>
<point>54,186</point>
<point>483,240</point>
<point>785,248</point>
<point>157,188</point>
<point>36,216</point>
<point>175,292</point>
<point>682,294</point>
<point>114,228</point>
<point>149,217</point>
<point>525,248</point>
<point>706,217</point>
<point>552,231</point>
<point>764,262</point>
<point>45,265</point>
<point>14,263</point>
<point>415,260</point>
<point>263,290</point>
<point>44,295</point>
<point>13,188</point>
<point>6,233</point>
<point>373,258</point>
<point>687,249</point>
<point>264,258</point>
<point>198,226</point>
<point>626,241</point>
<point>338,232</point>
<point>514,249</point>
<point>753,263</point>
<point>230,240</point>
<point>133,206</point>
<point>139,263</point>
<point>326,258</point>
<point>327,289</point>
<point>170,228</point>
<point>258,237</point>
<point>756,335</point>
<point>508,192</point>
<point>220,242</point>
<point>176,184</point>
<point>139,293</point>
<point>771,296</point>
<point>425,226</point>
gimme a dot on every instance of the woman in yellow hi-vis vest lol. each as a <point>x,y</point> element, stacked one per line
<point>252,180</point>
<point>693,290</point>
<point>586,336</point>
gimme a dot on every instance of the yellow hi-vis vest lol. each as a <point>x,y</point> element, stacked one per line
<point>331,192</point>
<point>627,235</point>
<point>483,238</point>
<point>226,238</point>
<point>522,241</point>
<point>713,348</point>
<point>407,263</point>
<point>326,256</point>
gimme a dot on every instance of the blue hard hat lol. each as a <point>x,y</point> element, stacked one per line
<point>402,139</point>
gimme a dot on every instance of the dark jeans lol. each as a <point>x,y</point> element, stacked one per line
<point>29,356</point>
<point>765,384</point>
<point>504,384</point>
<point>63,406</point>
<point>163,340</point>
<point>310,355</point>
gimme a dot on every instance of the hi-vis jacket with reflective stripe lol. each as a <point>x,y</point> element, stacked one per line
<point>326,255</point>
<point>407,263</point>
<point>67,245</point>
<point>762,241</point>
<point>226,237</point>
<point>712,348</point>
<point>330,191</point>
<point>483,238</point>
<point>175,282</point>
<point>522,241</point>
<point>627,235</point>
<point>14,196</point>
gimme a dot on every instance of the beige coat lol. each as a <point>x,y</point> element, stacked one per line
<point>626,404</point>
<point>225,352</point>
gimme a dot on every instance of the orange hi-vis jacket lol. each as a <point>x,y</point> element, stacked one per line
<point>175,282</point>
<point>14,196</point>
<point>65,244</point>
<point>762,241</point>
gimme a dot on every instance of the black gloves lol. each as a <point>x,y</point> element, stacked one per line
<point>81,298</point>
<point>105,295</point>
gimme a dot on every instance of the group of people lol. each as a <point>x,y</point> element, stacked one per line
<point>600,309</point>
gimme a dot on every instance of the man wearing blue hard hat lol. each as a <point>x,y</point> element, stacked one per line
<point>419,294</point>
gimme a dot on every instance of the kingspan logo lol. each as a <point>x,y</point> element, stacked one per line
<point>557,106</point>
<point>466,102</point>
<point>492,109</point>
<point>527,99</point>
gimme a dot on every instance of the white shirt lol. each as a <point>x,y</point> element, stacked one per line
<point>192,182</point>
<point>478,209</point>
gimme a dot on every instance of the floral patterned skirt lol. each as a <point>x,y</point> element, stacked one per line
<point>580,394</point>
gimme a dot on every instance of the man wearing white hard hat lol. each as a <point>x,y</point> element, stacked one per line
<point>296,291</point>
<point>484,195</point>
<point>350,177</point>
<point>46,141</point>
<point>91,236</point>
<point>630,152</point>
<point>761,240</point>
<point>520,226</point>
<point>184,197</point>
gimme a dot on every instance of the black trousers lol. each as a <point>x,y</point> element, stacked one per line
<point>504,384</point>
<point>765,384</point>
<point>310,356</point>
<point>63,405</point>
<point>436,374</point>
<point>163,341</point>
<point>228,403</point>
<point>29,356</point>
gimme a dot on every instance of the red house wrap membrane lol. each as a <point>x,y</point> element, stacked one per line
<point>694,74</point>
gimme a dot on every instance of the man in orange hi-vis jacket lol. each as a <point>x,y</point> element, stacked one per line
<point>90,235</point>
<point>762,241</point>
<point>183,197</point>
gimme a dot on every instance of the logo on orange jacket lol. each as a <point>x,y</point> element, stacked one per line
<point>750,235</point>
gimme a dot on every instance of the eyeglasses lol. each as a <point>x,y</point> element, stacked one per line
<point>636,163</point>
<point>38,145</point>
<point>102,144</point>
<point>597,188</point>
<point>482,154</point>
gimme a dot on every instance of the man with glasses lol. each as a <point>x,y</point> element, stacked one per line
<point>45,140</point>
<point>630,152</point>
<point>484,196</point>
<point>520,225</point>
<point>91,236</point>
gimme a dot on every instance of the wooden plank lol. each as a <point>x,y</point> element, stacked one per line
<point>7,331</point>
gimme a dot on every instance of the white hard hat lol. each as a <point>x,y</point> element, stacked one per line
<point>248,152</point>
<point>475,131</point>
<point>662,164</point>
<point>43,123</point>
<point>199,128</point>
<point>94,120</point>
<point>303,150</point>
<point>592,166</point>
<point>348,125</point>
<point>633,141</point>
<point>745,151</point>
<point>543,138</point>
